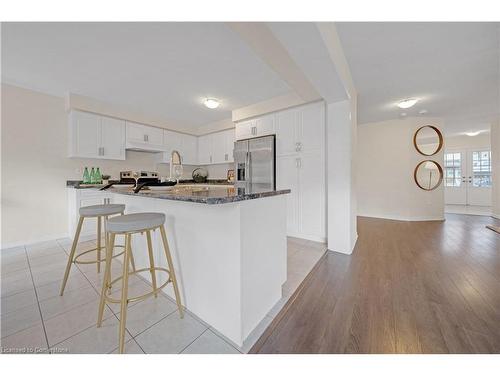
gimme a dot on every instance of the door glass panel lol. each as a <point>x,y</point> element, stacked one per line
<point>481,168</point>
<point>453,169</point>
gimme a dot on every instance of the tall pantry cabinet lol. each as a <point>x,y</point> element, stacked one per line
<point>300,166</point>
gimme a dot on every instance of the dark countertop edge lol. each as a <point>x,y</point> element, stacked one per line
<point>207,200</point>
<point>78,184</point>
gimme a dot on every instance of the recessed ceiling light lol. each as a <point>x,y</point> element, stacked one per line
<point>211,103</point>
<point>403,114</point>
<point>407,103</point>
<point>472,134</point>
<point>423,111</point>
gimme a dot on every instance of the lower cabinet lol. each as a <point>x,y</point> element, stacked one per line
<point>304,174</point>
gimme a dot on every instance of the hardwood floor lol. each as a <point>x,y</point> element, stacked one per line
<point>408,287</point>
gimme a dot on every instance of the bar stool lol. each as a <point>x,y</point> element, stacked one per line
<point>128,225</point>
<point>99,211</point>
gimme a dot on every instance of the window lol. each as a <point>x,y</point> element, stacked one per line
<point>481,168</point>
<point>453,169</point>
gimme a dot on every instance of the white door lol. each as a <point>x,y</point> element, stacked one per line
<point>468,177</point>
<point>479,177</point>
<point>455,181</point>
<point>112,138</point>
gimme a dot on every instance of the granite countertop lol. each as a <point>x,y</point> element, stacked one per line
<point>205,194</point>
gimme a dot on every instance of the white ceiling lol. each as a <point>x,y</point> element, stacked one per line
<point>452,67</point>
<point>160,69</point>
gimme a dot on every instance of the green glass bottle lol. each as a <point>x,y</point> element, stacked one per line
<point>92,176</point>
<point>86,176</point>
<point>98,177</point>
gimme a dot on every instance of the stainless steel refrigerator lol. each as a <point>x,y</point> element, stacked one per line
<point>255,163</point>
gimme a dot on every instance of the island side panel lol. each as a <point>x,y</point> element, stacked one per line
<point>205,244</point>
<point>264,257</point>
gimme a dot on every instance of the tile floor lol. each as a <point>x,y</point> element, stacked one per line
<point>35,319</point>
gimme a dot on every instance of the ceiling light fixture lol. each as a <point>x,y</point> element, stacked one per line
<point>423,111</point>
<point>407,103</point>
<point>472,134</point>
<point>211,103</point>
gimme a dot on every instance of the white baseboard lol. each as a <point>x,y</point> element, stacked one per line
<point>404,218</point>
<point>307,237</point>
<point>83,237</point>
<point>9,245</point>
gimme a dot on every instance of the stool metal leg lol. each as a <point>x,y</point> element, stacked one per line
<point>151,261</point>
<point>107,277</point>
<point>171,269</point>
<point>98,244</point>
<point>71,254</point>
<point>124,299</point>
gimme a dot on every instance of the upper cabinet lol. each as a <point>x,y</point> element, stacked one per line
<point>94,136</point>
<point>144,138</point>
<point>216,148</point>
<point>186,145</point>
<point>258,127</point>
<point>300,129</point>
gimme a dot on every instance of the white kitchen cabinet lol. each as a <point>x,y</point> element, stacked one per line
<point>300,129</point>
<point>144,138</point>
<point>300,166</point>
<point>112,138</point>
<point>205,149</point>
<point>229,143</point>
<point>258,127</point>
<point>244,129</point>
<point>189,149</point>
<point>186,145</point>
<point>311,201</point>
<point>97,137</point>
<point>287,178</point>
<point>216,148</point>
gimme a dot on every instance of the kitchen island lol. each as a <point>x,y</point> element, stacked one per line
<point>228,245</point>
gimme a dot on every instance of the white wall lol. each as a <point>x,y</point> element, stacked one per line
<point>495,157</point>
<point>465,142</point>
<point>35,166</point>
<point>386,160</point>
<point>341,166</point>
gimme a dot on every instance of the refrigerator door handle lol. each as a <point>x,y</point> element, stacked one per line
<point>247,167</point>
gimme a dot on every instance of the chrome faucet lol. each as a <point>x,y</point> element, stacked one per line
<point>175,165</point>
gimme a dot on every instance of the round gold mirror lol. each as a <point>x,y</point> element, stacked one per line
<point>428,175</point>
<point>428,140</point>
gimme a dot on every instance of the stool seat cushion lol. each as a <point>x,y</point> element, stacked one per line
<point>135,222</point>
<point>102,210</point>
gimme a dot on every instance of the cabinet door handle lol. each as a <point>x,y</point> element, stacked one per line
<point>102,151</point>
<point>298,162</point>
<point>225,156</point>
<point>210,158</point>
